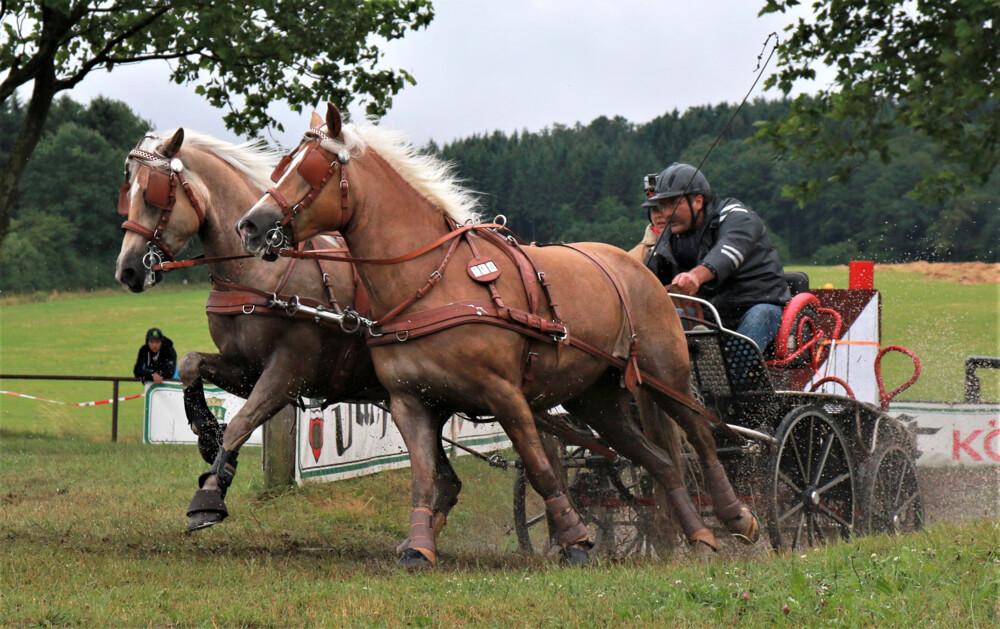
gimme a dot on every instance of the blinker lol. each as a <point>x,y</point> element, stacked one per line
<point>158,190</point>
<point>123,200</point>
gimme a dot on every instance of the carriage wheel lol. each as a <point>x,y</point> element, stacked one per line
<point>614,500</point>
<point>892,500</point>
<point>811,499</point>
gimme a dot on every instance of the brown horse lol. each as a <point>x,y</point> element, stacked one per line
<point>401,209</point>
<point>178,188</point>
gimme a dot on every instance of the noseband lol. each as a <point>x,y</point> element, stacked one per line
<point>161,193</point>
<point>317,167</point>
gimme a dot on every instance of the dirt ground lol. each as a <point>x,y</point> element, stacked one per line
<point>965,273</point>
<point>960,494</point>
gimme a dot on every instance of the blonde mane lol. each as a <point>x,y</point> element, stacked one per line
<point>255,158</point>
<point>430,176</point>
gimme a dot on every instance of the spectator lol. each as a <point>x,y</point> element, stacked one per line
<point>157,360</point>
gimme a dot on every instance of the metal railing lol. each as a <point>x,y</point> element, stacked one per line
<point>114,394</point>
<point>973,388</point>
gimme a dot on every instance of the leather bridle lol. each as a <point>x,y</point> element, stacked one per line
<point>316,167</point>
<point>161,192</point>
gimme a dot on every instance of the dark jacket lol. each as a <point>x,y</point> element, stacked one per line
<point>163,362</point>
<point>734,243</point>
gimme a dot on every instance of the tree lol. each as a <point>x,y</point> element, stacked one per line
<point>930,66</point>
<point>242,54</point>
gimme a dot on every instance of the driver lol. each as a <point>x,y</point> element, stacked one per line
<point>718,250</point>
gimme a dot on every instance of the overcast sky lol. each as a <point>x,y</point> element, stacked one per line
<point>521,64</point>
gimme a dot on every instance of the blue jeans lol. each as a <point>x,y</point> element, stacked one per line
<point>761,324</point>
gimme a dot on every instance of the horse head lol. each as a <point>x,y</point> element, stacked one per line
<point>160,206</point>
<point>274,222</point>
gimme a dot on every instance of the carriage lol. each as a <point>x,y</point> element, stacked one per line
<point>818,466</point>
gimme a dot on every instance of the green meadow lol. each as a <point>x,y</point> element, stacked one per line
<point>93,532</point>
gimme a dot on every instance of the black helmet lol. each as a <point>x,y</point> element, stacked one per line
<point>676,180</point>
<point>154,333</point>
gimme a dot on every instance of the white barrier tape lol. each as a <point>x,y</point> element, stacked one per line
<point>94,403</point>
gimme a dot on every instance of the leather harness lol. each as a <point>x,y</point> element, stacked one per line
<point>318,166</point>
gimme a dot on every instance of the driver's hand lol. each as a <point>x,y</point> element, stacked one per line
<point>686,283</point>
<point>157,378</point>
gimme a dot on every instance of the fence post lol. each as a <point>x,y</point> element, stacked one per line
<point>279,449</point>
<point>114,413</point>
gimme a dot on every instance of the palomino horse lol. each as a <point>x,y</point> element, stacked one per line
<point>176,189</point>
<point>551,321</point>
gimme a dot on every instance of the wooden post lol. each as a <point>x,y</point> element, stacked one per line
<point>114,413</point>
<point>279,449</point>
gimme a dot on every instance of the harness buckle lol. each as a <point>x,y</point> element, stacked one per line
<point>560,337</point>
<point>405,335</point>
<point>293,305</point>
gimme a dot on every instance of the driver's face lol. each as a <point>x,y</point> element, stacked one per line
<point>677,214</point>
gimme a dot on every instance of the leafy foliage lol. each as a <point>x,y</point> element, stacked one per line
<point>928,66</point>
<point>242,55</point>
<point>583,183</point>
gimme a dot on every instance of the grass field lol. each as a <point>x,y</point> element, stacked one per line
<point>100,334</point>
<point>93,532</point>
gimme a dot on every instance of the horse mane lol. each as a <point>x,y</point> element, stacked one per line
<point>255,158</point>
<point>430,176</point>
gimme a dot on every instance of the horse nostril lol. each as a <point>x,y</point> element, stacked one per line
<point>246,226</point>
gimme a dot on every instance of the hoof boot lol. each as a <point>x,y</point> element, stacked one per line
<point>414,560</point>
<point>206,508</point>
<point>746,527</point>
<point>203,520</point>
<point>575,555</point>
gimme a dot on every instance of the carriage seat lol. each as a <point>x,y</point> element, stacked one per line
<point>796,343</point>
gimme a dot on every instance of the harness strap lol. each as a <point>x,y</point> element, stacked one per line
<point>149,235</point>
<point>426,322</point>
<point>633,376</point>
<point>433,279</point>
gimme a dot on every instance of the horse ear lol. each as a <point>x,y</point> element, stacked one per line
<point>173,145</point>
<point>316,122</point>
<point>333,122</point>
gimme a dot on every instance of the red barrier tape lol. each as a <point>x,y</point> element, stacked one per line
<point>94,403</point>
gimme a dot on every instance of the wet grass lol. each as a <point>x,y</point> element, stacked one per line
<point>93,535</point>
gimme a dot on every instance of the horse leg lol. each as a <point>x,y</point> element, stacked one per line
<point>420,427</point>
<point>512,412</point>
<point>604,407</point>
<point>665,433</point>
<point>447,486</point>
<point>270,395</point>
<point>737,517</point>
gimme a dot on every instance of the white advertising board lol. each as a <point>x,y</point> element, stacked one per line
<point>348,440</point>
<point>954,434</point>
<point>166,422</point>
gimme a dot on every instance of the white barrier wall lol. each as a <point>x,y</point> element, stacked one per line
<point>954,434</point>
<point>166,422</point>
<point>348,440</point>
<point>344,441</point>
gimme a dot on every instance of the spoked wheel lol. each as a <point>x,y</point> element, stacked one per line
<point>812,497</point>
<point>614,499</point>
<point>892,500</point>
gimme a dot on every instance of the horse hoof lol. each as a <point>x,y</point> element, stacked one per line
<point>745,527</point>
<point>206,508</point>
<point>203,520</point>
<point>703,550</point>
<point>414,560</point>
<point>575,555</point>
